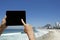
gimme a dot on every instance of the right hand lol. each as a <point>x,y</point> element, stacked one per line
<point>27,28</point>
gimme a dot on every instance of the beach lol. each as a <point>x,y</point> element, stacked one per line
<point>54,34</point>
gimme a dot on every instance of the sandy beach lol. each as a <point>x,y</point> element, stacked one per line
<point>54,34</point>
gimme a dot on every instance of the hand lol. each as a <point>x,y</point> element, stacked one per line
<point>4,20</point>
<point>29,30</point>
<point>3,25</point>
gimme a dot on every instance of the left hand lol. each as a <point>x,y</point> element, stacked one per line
<point>3,25</point>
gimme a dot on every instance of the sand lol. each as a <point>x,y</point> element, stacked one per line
<point>53,35</point>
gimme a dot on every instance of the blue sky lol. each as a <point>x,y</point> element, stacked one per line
<point>38,12</point>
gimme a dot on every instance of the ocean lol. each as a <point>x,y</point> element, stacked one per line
<point>15,31</point>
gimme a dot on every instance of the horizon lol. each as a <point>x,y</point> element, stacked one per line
<point>38,12</point>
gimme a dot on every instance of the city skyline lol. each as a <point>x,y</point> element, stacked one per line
<point>38,12</point>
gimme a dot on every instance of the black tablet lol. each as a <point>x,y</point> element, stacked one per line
<point>14,18</point>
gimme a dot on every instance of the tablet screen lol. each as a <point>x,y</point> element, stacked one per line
<point>14,17</point>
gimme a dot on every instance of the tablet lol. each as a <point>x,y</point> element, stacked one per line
<point>14,18</point>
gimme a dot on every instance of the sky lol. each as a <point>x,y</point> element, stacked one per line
<point>38,12</point>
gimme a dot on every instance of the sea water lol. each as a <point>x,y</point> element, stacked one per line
<point>13,31</point>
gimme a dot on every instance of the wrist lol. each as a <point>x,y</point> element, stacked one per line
<point>31,36</point>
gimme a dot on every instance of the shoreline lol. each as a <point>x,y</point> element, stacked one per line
<point>43,34</point>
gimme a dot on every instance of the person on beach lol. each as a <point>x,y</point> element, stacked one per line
<point>27,29</point>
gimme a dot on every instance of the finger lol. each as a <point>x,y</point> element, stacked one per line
<point>5,17</point>
<point>4,20</point>
<point>22,21</point>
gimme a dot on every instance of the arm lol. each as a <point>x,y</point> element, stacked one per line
<point>3,25</point>
<point>28,30</point>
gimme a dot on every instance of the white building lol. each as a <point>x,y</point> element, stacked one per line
<point>57,24</point>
